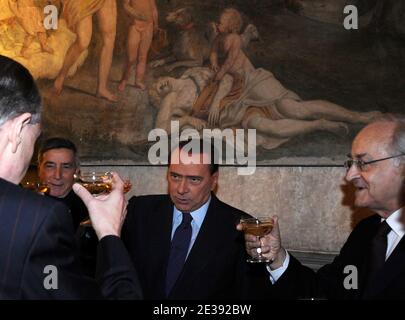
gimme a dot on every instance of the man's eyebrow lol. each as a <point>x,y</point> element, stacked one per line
<point>357,155</point>
<point>177,174</point>
<point>194,177</point>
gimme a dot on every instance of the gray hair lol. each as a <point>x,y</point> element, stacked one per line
<point>397,143</point>
<point>398,139</point>
<point>58,143</point>
<point>18,92</point>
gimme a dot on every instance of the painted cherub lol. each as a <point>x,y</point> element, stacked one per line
<point>259,88</point>
<point>31,20</point>
<point>228,46</point>
<point>144,24</point>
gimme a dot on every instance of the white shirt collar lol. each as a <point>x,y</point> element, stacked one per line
<point>394,221</point>
<point>198,215</point>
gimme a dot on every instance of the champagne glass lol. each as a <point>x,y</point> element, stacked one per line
<point>99,182</point>
<point>95,182</point>
<point>38,187</point>
<point>259,227</point>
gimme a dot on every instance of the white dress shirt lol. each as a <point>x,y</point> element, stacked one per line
<point>393,238</point>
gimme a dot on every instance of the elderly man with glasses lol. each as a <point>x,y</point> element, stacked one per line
<point>376,246</point>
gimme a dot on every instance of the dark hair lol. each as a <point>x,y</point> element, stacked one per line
<point>18,92</point>
<point>204,145</point>
<point>57,143</point>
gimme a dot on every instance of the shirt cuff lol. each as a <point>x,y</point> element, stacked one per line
<point>277,273</point>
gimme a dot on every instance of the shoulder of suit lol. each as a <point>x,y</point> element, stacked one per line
<point>367,222</point>
<point>148,201</point>
<point>18,193</point>
<point>228,209</point>
<point>27,201</point>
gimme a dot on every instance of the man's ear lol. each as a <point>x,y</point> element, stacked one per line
<point>17,126</point>
<point>215,180</point>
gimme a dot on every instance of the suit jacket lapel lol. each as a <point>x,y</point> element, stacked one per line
<point>394,265</point>
<point>160,226</point>
<point>366,250</point>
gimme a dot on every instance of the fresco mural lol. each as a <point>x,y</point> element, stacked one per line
<point>114,70</point>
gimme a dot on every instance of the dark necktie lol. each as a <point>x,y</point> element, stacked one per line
<point>178,251</point>
<point>378,251</point>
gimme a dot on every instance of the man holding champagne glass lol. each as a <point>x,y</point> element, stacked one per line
<point>36,233</point>
<point>184,244</point>
<point>375,250</point>
<point>58,162</point>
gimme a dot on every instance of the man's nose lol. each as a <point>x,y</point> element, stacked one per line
<point>58,173</point>
<point>182,187</point>
<point>352,173</point>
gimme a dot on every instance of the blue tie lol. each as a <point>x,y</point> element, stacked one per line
<point>178,251</point>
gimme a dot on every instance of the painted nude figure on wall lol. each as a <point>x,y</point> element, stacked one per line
<point>144,24</point>
<point>78,15</point>
<point>275,123</point>
<point>31,19</point>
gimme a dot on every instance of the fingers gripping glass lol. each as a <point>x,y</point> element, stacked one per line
<point>259,227</point>
<point>361,164</point>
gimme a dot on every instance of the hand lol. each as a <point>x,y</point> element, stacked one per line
<point>107,211</point>
<point>213,116</point>
<point>197,124</point>
<point>270,245</point>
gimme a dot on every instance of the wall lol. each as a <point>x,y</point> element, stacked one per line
<point>314,204</point>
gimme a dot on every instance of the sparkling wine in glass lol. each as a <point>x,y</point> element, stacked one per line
<point>99,182</point>
<point>259,227</point>
<point>95,182</point>
<point>38,187</point>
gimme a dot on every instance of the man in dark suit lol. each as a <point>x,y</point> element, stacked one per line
<point>371,264</point>
<point>38,254</point>
<point>58,162</point>
<point>184,245</point>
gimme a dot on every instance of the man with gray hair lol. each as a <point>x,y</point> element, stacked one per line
<point>58,162</point>
<point>375,250</point>
<point>38,254</point>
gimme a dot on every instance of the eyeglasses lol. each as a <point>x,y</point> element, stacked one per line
<point>361,164</point>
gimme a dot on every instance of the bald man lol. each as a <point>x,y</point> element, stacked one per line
<point>375,250</point>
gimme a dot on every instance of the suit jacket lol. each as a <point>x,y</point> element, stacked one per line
<point>216,266</point>
<point>35,232</point>
<point>77,207</point>
<point>301,282</point>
